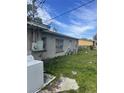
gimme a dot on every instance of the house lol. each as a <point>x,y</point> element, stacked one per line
<point>43,43</point>
<point>85,42</point>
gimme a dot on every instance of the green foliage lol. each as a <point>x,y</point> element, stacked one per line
<point>32,14</point>
<point>38,20</point>
<point>91,47</point>
<point>30,10</point>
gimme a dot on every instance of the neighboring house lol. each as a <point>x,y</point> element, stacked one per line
<point>43,43</point>
<point>85,42</point>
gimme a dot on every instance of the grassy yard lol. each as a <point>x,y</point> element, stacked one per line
<point>83,63</point>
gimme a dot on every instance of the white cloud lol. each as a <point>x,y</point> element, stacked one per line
<point>77,31</point>
<point>74,29</point>
<point>60,24</point>
<point>88,12</point>
<point>42,13</point>
<point>85,14</point>
<point>83,20</point>
<point>80,29</point>
<point>45,13</point>
<point>77,18</point>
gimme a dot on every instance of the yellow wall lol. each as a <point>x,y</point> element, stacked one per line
<point>85,43</point>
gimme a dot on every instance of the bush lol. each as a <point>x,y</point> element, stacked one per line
<point>83,48</point>
<point>91,47</point>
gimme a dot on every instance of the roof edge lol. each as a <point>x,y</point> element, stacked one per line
<point>55,33</point>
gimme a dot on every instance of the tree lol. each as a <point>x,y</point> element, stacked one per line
<point>32,14</point>
<point>38,20</point>
<point>31,11</point>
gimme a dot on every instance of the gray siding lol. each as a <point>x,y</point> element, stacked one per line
<point>50,46</point>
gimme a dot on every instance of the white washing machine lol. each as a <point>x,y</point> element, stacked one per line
<point>35,75</point>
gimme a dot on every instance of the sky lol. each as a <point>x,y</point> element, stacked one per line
<point>81,23</point>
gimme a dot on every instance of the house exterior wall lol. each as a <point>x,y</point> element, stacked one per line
<point>85,43</point>
<point>29,42</point>
<point>50,51</point>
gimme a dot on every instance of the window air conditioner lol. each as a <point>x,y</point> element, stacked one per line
<point>34,46</point>
<point>38,46</point>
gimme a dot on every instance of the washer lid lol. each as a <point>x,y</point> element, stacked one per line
<point>33,62</point>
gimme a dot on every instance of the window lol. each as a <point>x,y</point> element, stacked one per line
<point>70,41</point>
<point>44,42</point>
<point>59,45</point>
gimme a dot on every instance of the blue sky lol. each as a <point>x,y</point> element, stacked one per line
<point>81,23</point>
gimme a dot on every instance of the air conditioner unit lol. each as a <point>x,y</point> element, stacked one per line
<point>34,46</point>
<point>35,75</point>
<point>38,46</point>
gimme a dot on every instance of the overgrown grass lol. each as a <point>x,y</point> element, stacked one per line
<point>83,63</point>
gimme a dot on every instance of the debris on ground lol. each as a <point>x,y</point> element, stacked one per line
<point>48,78</point>
<point>67,84</point>
<point>62,84</point>
<point>90,62</point>
<point>74,72</point>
